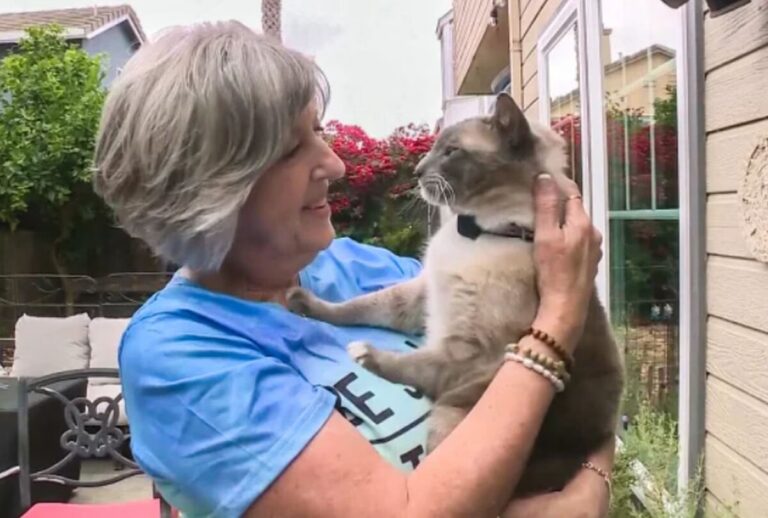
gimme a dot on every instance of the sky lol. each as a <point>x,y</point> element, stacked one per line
<point>382,57</point>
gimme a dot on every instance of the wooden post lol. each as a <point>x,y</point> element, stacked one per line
<point>271,15</point>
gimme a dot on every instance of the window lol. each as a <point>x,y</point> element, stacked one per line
<point>639,40</point>
<point>608,71</point>
<point>560,74</point>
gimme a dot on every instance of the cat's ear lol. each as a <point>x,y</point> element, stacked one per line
<point>509,120</point>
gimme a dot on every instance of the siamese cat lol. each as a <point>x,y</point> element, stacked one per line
<point>477,293</point>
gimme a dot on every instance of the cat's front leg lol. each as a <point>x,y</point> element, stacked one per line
<point>399,307</point>
<point>421,369</point>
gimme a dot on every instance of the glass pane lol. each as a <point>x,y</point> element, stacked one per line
<point>640,105</point>
<point>564,100</point>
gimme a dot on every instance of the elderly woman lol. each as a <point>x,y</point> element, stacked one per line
<point>211,151</point>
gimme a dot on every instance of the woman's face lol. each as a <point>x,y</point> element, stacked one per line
<point>287,212</point>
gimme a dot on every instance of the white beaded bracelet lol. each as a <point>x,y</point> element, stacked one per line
<point>538,369</point>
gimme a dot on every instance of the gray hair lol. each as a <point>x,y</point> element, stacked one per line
<point>188,127</point>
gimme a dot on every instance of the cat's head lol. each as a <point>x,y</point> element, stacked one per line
<point>487,165</point>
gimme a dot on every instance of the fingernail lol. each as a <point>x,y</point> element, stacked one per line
<point>544,176</point>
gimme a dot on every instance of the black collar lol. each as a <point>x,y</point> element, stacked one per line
<point>467,226</point>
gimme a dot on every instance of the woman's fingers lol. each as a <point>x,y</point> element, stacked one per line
<point>569,187</point>
<point>565,258</point>
<point>547,207</point>
<point>574,206</point>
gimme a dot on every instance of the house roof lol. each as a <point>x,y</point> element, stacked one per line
<point>653,50</point>
<point>78,23</point>
<point>442,22</point>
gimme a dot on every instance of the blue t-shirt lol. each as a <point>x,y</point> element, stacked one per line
<point>223,393</point>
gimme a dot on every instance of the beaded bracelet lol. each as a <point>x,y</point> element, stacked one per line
<point>557,367</point>
<point>553,344</point>
<point>538,369</point>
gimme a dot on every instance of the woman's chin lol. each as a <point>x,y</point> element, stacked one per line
<point>321,238</point>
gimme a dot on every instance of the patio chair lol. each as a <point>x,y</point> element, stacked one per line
<point>93,434</point>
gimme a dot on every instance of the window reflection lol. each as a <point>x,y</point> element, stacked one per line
<point>564,99</point>
<point>640,106</point>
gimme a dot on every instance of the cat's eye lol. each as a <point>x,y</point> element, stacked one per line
<point>449,150</point>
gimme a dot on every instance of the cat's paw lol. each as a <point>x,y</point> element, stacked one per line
<point>360,352</point>
<point>300,301</point>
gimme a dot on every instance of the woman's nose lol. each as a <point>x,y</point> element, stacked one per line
<point>331,167</point>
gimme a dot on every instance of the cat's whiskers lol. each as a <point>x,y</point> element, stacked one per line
<point>436,188</point>
<point>451,197</point>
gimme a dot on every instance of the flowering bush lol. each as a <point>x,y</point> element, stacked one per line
<point>376,202</point>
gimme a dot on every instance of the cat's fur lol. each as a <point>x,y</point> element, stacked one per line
<point>477,296</point>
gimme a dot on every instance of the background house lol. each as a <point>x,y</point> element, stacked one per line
<point>114,31</point>
<point>662,110</point>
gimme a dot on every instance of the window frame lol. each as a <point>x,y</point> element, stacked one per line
<point>586,16</point>
<point>570,14</point>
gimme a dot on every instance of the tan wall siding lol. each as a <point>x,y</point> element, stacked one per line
<point>471,19</point>
<point>515,49</point>
<point>736,462</point>
<point>534,17</point>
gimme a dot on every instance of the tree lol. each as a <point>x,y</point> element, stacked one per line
<point>51,97</point>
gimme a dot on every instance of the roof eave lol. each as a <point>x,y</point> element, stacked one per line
<point>70,33</point>
<point>114,23</point>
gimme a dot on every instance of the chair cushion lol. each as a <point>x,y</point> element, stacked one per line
<point>104,335</point>
<point>140,509</point>
<point>47,344</point>
<point>97,391</point>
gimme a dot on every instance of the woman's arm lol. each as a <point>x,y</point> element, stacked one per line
<point>474,471</point>
<point>471,474</point>
<point>586,496</point>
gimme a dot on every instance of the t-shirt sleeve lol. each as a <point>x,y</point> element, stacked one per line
<point>213,421</point>
<point>348,269</point>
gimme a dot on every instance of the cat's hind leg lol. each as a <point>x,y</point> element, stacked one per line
<point>400,307</point>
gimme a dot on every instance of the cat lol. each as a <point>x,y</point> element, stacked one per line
<point>477,294</point>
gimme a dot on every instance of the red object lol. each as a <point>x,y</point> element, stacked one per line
<point>378,170</point>
<point>139,509</point>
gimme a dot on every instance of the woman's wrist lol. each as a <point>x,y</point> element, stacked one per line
<point>561,322</point>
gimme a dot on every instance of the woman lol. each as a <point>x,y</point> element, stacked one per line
<point>211,151</point>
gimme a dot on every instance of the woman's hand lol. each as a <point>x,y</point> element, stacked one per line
<point>566,257</point>
<point>585,496</point>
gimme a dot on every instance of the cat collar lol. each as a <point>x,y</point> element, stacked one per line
<point>467,226</point>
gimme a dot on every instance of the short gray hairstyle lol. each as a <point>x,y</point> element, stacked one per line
<point>188,127</point>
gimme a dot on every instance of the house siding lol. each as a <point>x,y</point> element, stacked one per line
<point>471,20</point>
<point>117,44</point>
<point>736,446</point>
<point>534,16</point>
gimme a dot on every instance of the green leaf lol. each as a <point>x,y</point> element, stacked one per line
<point>51,97</point>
